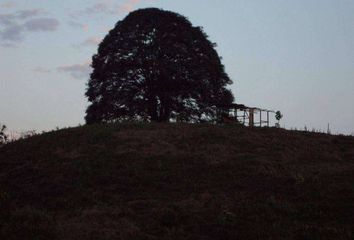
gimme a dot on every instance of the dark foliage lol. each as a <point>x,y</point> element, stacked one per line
<point>278,115</point>
<point>155,66</point>
<point>3,136</point>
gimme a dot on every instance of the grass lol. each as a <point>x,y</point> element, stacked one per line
<point>177,181</point>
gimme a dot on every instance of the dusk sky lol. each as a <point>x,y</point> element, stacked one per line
<point>296,56</point>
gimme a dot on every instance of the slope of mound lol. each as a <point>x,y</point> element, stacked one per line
<point>177,181</point>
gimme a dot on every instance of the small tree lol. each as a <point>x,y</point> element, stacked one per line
<point>3,136</point>
<point>278,116</point>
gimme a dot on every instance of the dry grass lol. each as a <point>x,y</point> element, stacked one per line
<point>177,181</point>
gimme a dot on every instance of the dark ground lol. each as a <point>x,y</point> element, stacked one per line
<point>177,181</point>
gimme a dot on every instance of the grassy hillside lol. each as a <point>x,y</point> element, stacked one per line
<point>177,181</point>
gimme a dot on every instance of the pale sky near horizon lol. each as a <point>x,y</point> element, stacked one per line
<point>296,56</point>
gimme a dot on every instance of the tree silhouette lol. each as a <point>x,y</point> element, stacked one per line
<point>278,116</point>
<point>155,66</point>
<point>3,136</point>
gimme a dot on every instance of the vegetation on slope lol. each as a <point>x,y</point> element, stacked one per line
<point>177,181</point>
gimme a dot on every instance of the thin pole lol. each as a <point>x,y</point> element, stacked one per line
<point>251,117</point>
<point>244,117</point>
<point>268,118</point>
<point>260,118</point>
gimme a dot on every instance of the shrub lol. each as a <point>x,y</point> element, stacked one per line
<point>3,136</point>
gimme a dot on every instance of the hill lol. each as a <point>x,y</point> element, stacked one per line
<point>177,181</point>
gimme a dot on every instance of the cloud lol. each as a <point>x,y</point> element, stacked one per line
<point>89,42</point>
<point>41,70</point>
<point>103,7</point>
<point>128,6</point>
<point>82,26</point>
<point>25,14</point>
<point>92,41</point>
<point>100,7</point>
<point>42,24</point>
<point>78,71</point>
<point>14,26</point>
<point>8,4</point>
<point>12,33</point>
<point>11,18</point>
<point>7,45</point>
<point>109,7</point>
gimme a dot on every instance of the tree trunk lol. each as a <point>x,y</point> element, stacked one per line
<point>153,109</point>
<point>165,110</point>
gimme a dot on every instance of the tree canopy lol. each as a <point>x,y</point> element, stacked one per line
<point>155,66</point>
<point>278,115</point>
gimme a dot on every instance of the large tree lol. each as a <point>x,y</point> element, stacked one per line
<point>155,66</point>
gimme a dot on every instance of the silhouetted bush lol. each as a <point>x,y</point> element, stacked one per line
<point>3,136</point>
<point>278,116</point>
